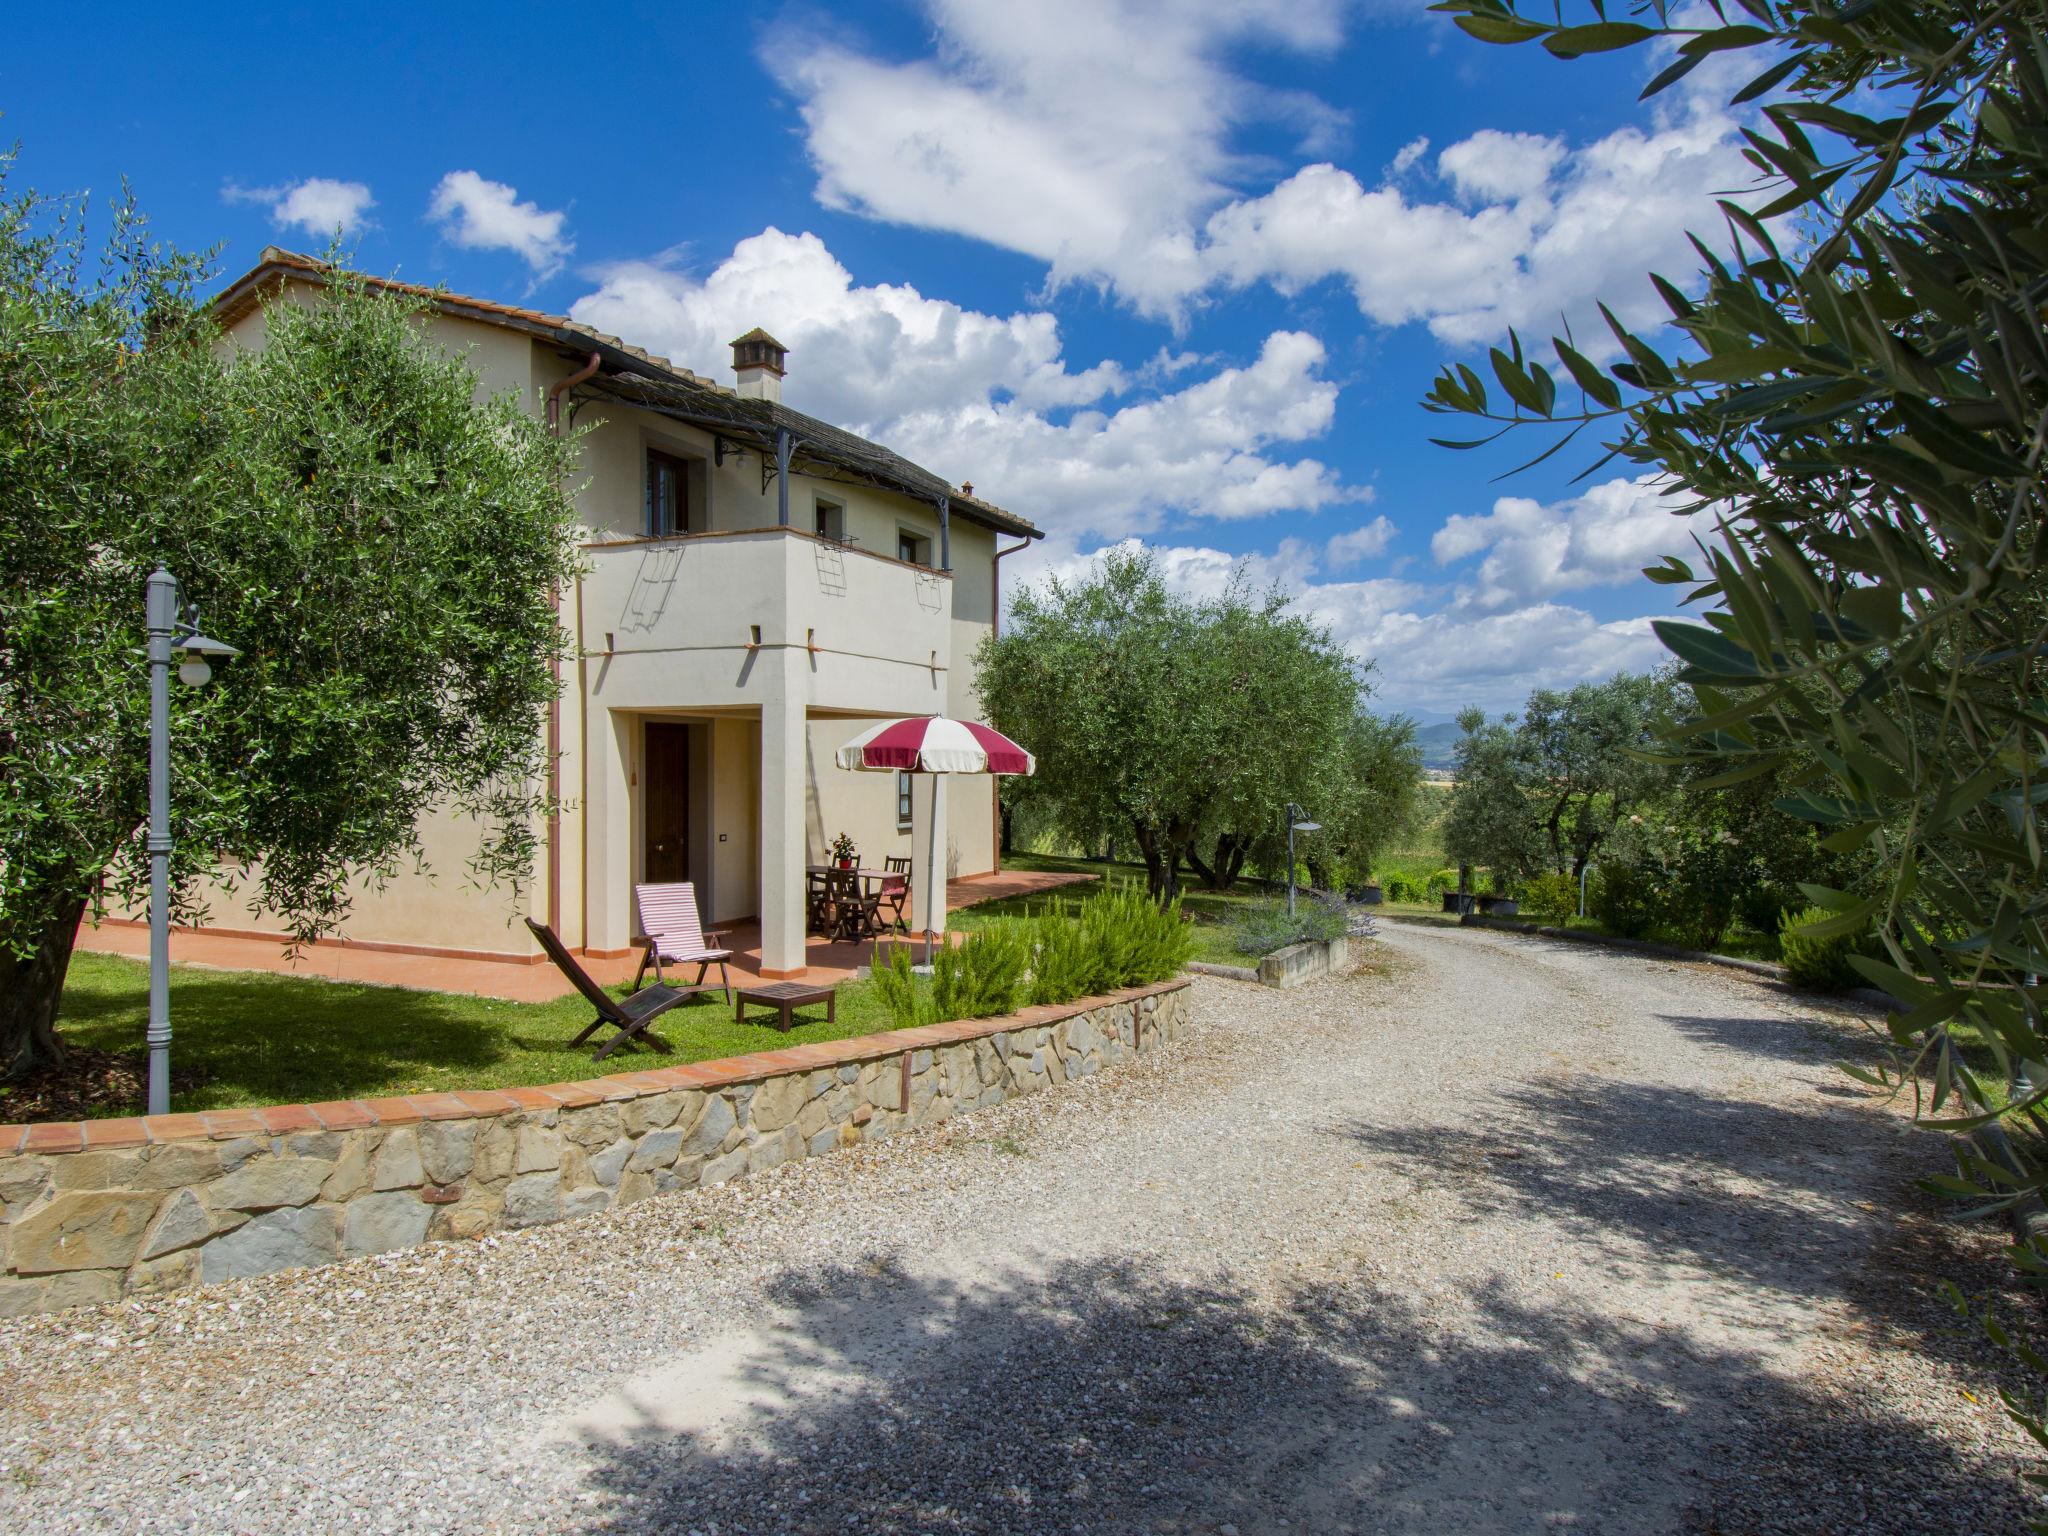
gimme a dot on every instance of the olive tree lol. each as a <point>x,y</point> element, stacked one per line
<point>381,544</point>
<point>1172,721</point>
<point>1867,410</point>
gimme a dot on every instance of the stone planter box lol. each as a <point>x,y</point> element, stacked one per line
<point>102,1209</point>
<point>1459,901</point>
<point>1500,906</point>
<point>1297,963</point>
<point>1368,895</point>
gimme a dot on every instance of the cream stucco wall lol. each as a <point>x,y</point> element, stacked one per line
<point>662,629</point>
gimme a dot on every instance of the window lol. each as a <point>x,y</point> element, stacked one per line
<point>831,522</point>
<point>668,495</point>
<point>902,802</point>
<point>912,547</point>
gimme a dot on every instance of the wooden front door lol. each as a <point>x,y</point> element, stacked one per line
<point>668,803</point>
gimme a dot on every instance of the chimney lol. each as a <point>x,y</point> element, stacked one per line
<point>757,360</point>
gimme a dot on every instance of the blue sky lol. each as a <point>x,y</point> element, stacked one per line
<point>1176,272</point>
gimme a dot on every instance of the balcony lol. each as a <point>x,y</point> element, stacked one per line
<point>678,623</point>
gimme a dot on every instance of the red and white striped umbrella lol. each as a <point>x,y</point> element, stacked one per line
<point>934,744</point>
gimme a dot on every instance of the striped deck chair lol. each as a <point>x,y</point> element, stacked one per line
<point>675,935</point>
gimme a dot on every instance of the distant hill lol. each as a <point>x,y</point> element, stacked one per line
<point>1439,744</point>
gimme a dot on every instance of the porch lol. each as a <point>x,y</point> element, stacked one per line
<point>380,965</point>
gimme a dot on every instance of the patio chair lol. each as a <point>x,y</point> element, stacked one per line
<point>817,902</point>
<point>855,914</point>
<point>629,1017</point>
<point>895,893</point>
<point>668,918</point>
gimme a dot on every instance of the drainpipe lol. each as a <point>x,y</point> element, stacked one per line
<point>945,534</point>
<point>555,703</point>
<point>583,779</point>
<point>995,783</point>
<point>783,445</point>
<point>555,391</point>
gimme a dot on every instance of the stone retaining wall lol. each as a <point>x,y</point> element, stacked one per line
<point>100,1209</point>
<point>1297,963</point>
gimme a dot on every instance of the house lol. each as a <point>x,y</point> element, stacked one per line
<point>759,587</point>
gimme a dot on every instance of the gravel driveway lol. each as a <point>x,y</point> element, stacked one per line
<point>1498,1235</point>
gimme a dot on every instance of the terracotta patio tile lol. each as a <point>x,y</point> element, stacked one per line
<point>440,1106</point>
<point>664,1079</point>
<point>101,1135</point>
<point>573,1095</point>
<point>54,1136</point>
<point>533,1098</point>
<point>640,1082</point>
<point>283,1118</point>
<point>162,1128</point>
<point>228,1124</point>
<point>487,1103</point>
<point>11,1137</point>
<point>392,1111</point>
<point>609,1090</point>
<point>343,1114</point>
<point>818,1055</point>
<point>506,977</point>
<point>732,1069</point>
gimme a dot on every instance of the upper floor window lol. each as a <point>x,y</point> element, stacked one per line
<point>913,548</point>
<point>831,522</point>
<point>668,495</point>
<point>902,802</point>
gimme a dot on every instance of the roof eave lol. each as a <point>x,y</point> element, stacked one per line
<point>278,267</point>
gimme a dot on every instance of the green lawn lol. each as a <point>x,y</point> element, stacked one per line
<point>266,1039</point>
<point>258,1038</point>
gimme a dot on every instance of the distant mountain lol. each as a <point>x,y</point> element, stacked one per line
<point>1439,744</point>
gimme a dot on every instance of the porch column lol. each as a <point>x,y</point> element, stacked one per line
<point>928,860</point>
<point>783,752</point>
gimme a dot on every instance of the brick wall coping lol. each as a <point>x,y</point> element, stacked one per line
<point>356,1114</point>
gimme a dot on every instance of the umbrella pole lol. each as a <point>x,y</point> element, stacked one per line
<point>932,879</point>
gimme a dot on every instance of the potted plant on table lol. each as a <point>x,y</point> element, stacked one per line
<point>843,852</point>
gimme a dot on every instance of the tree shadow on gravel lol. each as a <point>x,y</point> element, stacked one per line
<point>1096,1399</point>
<point>1758,1193</point>
<point>1818,1038</point>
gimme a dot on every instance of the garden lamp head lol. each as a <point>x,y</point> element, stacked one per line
<point>194,671</point>
<point>1307,826</point>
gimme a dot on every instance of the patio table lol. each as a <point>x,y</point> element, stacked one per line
<point>855,926</point>
<point>785,997</point>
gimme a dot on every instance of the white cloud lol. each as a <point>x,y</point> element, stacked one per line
<point>1501,166</point>
<point>319,205</point>
<point>1532,552</point>
<point>991,399</point>
<point>1359,544</point>
<point>858,355</point>
<point>1546,231</point>
<point>1411,152</point>
<point>1097,136</point>
<point>1441,646</point>
<point>482,215</point>
<point>1091,134</point>
<point>1442,662</point>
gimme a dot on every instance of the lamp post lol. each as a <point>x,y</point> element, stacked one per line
<point>170,629</point>
<point>1295,824</point>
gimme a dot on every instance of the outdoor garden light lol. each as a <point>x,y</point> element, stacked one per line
<point>1297,821</point>
<point>194,671</point>
<point>171,628</point>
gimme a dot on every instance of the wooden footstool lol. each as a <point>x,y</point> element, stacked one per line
<point>785,997</point>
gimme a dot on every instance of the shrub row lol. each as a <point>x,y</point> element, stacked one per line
<point>1111,940</point>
